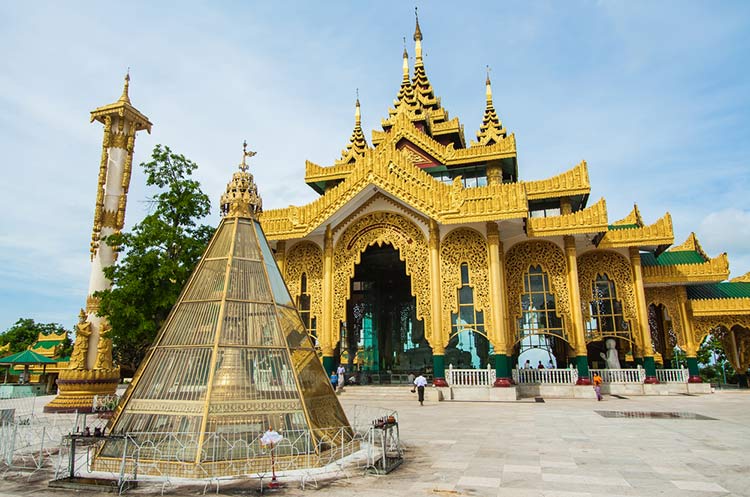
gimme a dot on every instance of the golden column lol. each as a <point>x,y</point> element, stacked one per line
<point>327,337</point>
<point>499,333</point>
<point>640,296</point>
<point>437,340</point>
<point>91,371</point>
<point>691,348</point>
<point>576,315</point>
<point>281,257</point>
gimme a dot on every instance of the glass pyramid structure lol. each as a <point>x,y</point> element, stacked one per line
<point>232,360</point>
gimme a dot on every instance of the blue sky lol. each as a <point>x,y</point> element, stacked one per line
<point>654,95</point>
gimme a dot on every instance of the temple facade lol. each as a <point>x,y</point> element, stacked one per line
<point>425,251</point>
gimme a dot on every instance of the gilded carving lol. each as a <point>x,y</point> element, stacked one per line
<point>590,220</point>
<point>383,228</point>
<point>704,325</point>
<point>669,297</point>
<point>306,257</point>
<point>469,246</point>
<point>550,257</point>
<point>104,349</point>
<point>617,268</point>
<point>81,345</point>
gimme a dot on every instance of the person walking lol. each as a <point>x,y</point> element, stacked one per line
<point>341,372</point>
<point>597,386</point>
<point>334,380</point>
<point>420,382</point>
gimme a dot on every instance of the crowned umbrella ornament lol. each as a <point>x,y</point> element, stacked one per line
<point>269,439</point>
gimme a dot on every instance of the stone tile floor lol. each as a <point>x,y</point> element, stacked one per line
<point>556,448</point>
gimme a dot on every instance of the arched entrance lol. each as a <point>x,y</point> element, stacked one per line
<point>382,337</point>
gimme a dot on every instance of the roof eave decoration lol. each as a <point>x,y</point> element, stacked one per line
<point>745,278</point>
<point>713,270</point>
<point>392,172</point>
<point>593,219</point>
<point>634,218</point>
<point>690,244</point>
<point>658,234</point>
<point>574,181</point>
<point>315,173</point>
<point>720,307</point>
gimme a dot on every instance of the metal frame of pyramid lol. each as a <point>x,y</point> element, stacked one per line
<point>232,360</point>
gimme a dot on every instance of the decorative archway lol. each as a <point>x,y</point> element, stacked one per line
<point>518,261</point>
<point>380,228</point>
<point>616,269</point>
<point>306,258</point>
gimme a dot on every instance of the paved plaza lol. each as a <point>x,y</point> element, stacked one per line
<point>528,448</point>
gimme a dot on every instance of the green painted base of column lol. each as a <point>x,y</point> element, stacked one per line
<point>438,371</point>
<point>328,364</point>
<point>650,366</point>
<point>693,371</point>
<point>503,376</point>
<point>639,361</point>
<point>582,364</point>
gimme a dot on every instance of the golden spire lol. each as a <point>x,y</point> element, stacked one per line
<point>423,92</point>
<point>406,92</point>
<point>125,97</point>
<point>241,198</point>
<point>491,131</point>
<point>417,38</point>
<point>357,142</point>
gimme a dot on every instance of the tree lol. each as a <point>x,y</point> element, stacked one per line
<point>26,331</point>
<point>713,359</point>
<point>156,257</point>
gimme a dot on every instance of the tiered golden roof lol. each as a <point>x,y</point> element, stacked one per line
<point>491,130</point>
<point>357,142</point>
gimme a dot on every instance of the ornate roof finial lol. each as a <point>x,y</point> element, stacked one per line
<point>417,40</point>
<point>357,113</point>
<point>489,85</point>
<point>241,198</point>
<point>125,97</point>
<point>417,31</point>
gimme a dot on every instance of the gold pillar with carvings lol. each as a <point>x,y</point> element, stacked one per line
<point>281,256</point>
<point>688,338</point>
<point>575,311</point>
<point>643,327</point>
<point>439,335</point>
<point>499,334</point>
<point>91,371</point>
<point>326,336</point>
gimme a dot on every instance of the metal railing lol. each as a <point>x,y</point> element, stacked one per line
<point>470,377</point>
<point>672,375</point>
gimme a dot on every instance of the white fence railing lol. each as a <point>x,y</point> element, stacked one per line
<point>470,377</point>
<point>620,375</point>
<point>546,376</point>
<point>672,375</point>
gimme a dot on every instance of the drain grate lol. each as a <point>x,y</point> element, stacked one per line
<point>539,399</point>
<point>652,415</point>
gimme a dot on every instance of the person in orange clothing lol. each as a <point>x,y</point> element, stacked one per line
<point>598,386</point>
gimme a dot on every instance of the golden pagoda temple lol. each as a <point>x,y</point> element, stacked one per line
<point>424,250</point>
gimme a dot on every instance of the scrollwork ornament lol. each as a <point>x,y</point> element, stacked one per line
<point>379,228</point>
<point>669,298</point>
<point>551,258</point>
<point>306,257</point>
<point>469,246</point>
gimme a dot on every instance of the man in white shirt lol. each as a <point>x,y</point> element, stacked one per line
<point>420,382</point>
<point>341,371</point>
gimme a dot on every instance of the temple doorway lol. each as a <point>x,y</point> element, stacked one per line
<point>382,337</point>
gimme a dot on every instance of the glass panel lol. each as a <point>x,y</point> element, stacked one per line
<point>208,282</point>
<point>250,324</point>
<point>464,274</point>
<point>247,281</point>
<point>538,302</point>
<point>253,374</point>
<point>467,315</point>
<point>280,292</point>
<point>193,323</point>
<point>293,328</point>
<point>222,240</point>
<point>536,283</point>
<point>246,245</point>
<point>465,295</point>
<point>175,374</point>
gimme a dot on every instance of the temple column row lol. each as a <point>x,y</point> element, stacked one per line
<point>640,296</point>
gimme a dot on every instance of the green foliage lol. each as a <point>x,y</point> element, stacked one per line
<point>156,258</point>
<point>713,359</point>
<point>26,331</point>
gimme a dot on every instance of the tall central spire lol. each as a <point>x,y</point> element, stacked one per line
<point>417,38</point>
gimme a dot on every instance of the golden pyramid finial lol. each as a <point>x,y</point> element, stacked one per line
<point>125,97</point>
<point>417,40</point>
<point>357,113</point>
<point>417,31</point>
<point>241,197</point>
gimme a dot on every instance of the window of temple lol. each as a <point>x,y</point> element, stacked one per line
<point>468,346</point>
<point>606,311</point>
<point>538,315</point>
<point>303,305</point>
